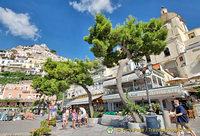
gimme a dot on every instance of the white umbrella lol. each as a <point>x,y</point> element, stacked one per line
<point>196,76</point>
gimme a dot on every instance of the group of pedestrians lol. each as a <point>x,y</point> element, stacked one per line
<point>76,117</point>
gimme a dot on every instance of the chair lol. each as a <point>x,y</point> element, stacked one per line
<point>191,114</point>
<point>195,113</point>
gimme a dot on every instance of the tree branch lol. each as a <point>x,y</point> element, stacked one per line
<point>125,49</point>
<point>82,85</point>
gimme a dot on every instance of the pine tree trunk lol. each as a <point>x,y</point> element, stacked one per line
<point>89,100</point>
<point>89,96</point>
<point>137,117</point>
<point>63,99</point>
<point>122,63</point>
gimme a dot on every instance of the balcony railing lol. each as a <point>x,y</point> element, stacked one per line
<point>136,89</point>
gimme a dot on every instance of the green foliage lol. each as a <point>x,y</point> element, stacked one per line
<point>53,51</point>
<point>60,96</point>
<point>132,106</point>
<point>14,77</point>
<point>78,71</point>
<point>126,111</point>
<point>97,114</point>
<point>59,112</point>
<point>136,39</point>
<point>9,100</point>
<point>155,106</point>
<point>52,122</point>
<point>60,75</point>
<point>43,130</point>
<point>36,102</point>
<point>77,107</point>
<point>101,109</point>
<point>189,103</point>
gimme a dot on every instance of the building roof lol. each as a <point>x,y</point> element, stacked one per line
<point>82,100</point>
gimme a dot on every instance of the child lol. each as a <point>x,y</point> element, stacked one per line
<point>73,118</point>
<point>79,118</point>
<point>67,114</point>
<point>86,119</point>
<point>64,119</point>
<point>41,113</point>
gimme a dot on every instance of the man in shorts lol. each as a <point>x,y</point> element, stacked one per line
<point>181,119</point>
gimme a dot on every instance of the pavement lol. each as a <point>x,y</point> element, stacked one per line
<point>19,127</point>
<point>23,127</point>
<point>100,130</point>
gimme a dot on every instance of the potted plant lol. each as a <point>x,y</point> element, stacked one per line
<point>52,122</point>
<point>95,118</point>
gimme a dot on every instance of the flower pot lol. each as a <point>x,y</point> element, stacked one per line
<point>93,120</point>
<point>136,127</point>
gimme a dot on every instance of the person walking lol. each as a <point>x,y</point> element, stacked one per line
<point>181,118</point>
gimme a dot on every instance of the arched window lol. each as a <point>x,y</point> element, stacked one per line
<point>167,52</point>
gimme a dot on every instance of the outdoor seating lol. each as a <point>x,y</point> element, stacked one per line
<point>191,114</point>
<point>195,113</point>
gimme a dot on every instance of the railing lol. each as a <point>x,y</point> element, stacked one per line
<point>140,89</point>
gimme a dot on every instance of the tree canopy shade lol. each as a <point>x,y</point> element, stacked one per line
<point>63,74</point>
<point>136,39</point>
<point>133,39</point>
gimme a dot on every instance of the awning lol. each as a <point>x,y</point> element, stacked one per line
<point>82,100</point>
<point>126,78</point>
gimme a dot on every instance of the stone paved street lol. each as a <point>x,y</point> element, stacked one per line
<point>23,127</point>
<point>19,127</point>
<point>100,130</point>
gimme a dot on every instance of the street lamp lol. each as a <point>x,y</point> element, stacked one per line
<point>143,71</point>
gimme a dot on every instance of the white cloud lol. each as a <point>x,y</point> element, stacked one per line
<point>18,24</point>
<point>94,6</point>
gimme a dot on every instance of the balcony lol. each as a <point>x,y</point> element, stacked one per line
<point>25,91</point>
<point>155,93</point>
<point>128,77</point>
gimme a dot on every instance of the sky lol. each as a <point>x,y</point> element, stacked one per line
<point>62,24</point>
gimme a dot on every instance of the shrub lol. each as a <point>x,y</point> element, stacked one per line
<point>44,129</point>
<point>53,121</point>
<point>155,106</point>
<point>97,114</point>
<point>126,111</point>
<point>59,112</point>
<point>101,109</point>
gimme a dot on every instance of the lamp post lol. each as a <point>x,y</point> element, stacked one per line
<point>143,71</point>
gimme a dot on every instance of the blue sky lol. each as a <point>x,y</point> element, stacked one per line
<point>62,24</point>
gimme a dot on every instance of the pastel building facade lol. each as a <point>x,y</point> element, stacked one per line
<point>22,94</point>
<point>182,55</point>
